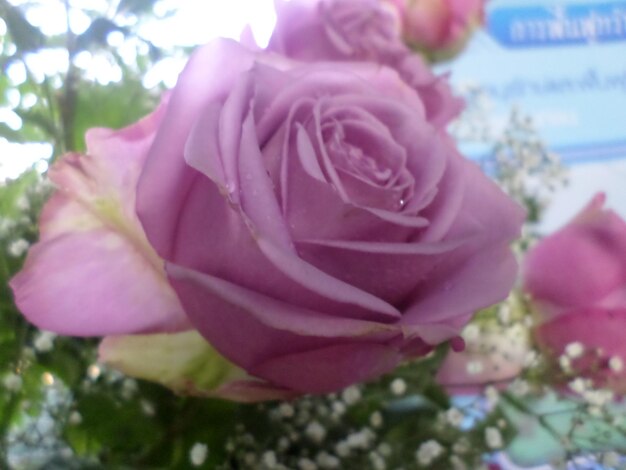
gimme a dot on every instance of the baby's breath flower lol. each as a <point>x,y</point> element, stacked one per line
<point>428,452</point>
<point>398,387</point>
<point>493,438</point>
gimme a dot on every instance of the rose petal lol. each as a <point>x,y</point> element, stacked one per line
<point>94,283</point>
<point>221,311</point>
<point>166,181</point>
<point>581,265</point>
<point>331,368</point>
<point>482,280</point>
<point>391,271</point>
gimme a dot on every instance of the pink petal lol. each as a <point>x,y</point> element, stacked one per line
<point>330,368</point>
<point>95,283</point>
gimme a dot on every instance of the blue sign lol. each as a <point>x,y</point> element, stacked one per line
<point>563,63</point>
<point>558,24</point>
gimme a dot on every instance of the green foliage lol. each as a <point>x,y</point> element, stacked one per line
<point>113,106</point>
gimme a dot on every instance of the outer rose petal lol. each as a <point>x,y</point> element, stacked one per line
<point>93,272</point>
<point>277,332</point>
<point>187,364</point>
<point>95,283</point>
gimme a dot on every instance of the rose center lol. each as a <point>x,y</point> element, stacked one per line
<point>354,160</point>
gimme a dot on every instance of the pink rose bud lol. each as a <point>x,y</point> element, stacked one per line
<point>316,227</point>
<point>440,28</point>
<point>577,280</point>
<point>360,30</point>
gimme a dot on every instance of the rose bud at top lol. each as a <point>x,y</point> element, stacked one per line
<point>439,28</point>
<point>360,30</point>
<point>316,227</point>
<point>577,281</point>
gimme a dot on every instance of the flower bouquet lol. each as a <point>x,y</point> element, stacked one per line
<point>293,245</point>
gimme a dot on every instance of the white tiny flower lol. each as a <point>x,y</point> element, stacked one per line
<point>306,464</point>
<point>249,458</point>
<point>565,363</point>
<point>147,408</point>
<point>384,449</point>
<point>454,417</point>
<point>351,395</point>
<point>616,364</point>
<point>398,387</point>
<point>471,333</point>
<point>316,432</point>
<point>598,397</point>
<point>519,387</point>
<point>377,461</point>
<point>269,459</point>
<point>12,382</point>
<point>578,385</point>
<point>360,439</point>
<point>504,313</point>
<point>129,388</point>
<point>343,449</point>
<point>94,371</point>
<point>339,408</point>
<point>198,454</point>
<point>75,418</point>
<point>461,447</point>
<point>574,350</point>
<point>428,452</point>
<point>376,419</point>
<point>493,438</point>
<point>286,410</point>
<point>18,247</point>
<point>492,395</point>
<point>474,367</point>
<point>530,358</point>
<point>44,341</point>
<point>457,463</point>
<point>327,461</point>
<point>611,459</point>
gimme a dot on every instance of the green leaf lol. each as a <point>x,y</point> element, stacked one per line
<point>113,106</point>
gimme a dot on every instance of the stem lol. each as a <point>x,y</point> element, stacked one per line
<point>522,407</point>
<point>67,101</point>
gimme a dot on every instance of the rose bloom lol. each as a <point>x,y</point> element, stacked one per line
<point>577,280</point>
<point>439,27</point>
<point>359,30</point>
<point>315,227</point>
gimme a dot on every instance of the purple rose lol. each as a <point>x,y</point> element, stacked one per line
<point>577,280</point>
<point>316,227</point>
<point>359,30</point>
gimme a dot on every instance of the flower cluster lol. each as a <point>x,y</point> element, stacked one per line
<point>303,215</point>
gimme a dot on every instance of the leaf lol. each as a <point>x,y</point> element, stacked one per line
<point>113,106</point>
